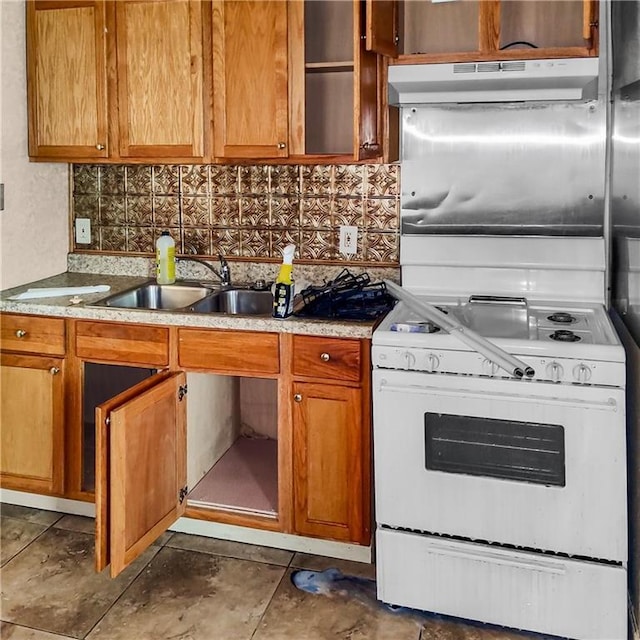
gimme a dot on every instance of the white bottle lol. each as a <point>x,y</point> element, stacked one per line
<point>165,259</point>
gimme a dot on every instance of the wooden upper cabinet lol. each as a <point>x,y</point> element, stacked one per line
<point>335,82</point>
<point>382,27</point>
<point>250,79</point>
<point>496,29</point>
<point>66,79</point>
<point>160,78</point>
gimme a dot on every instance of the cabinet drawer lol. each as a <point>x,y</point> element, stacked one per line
<point>32,334</point>
<point>123,343</point>
<point>233,351</point>
<point>332,358</point>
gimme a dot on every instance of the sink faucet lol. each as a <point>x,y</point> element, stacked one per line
<point>224,275</point>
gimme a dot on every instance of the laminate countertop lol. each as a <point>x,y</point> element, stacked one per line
<point>65,307</point>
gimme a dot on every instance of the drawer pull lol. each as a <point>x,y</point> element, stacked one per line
<point>21,333</point>
<point>298,397</point>
<point>54,370</point>
<point>282,145</point>
<point>325,357</point>
<point>100,147</point>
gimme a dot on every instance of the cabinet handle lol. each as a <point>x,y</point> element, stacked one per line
<point>325,357</point>
<point>21,333</point>
<point>54,370</point>
<point>298,397</point>
<point>282,145</point>
<point>100,147</point>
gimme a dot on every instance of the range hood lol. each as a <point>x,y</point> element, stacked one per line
<point>508,81</point>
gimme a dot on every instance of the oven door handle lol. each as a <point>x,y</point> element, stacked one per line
<point>609,404</point>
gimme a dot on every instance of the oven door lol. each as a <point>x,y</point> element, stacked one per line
<point>536,465</point>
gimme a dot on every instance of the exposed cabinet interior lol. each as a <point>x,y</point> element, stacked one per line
<point>101,382</point>
<point>492,29</point>
<point>329,76</point>
<point>232,444</point>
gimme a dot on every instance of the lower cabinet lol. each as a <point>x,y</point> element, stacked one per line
<point>32,418</point>
<point>254,429</point>
<point>327,452</point>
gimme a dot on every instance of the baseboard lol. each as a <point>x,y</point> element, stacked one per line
<point>301,544</point>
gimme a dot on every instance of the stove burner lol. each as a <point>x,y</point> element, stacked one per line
<point>563,335</point>
<point>561,317</point>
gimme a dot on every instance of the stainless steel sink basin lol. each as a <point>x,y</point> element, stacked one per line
<point>188,297</point>
<point>236,302</point>
<point>156,296</point>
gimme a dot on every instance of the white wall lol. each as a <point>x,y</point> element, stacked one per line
<point>34,235</point>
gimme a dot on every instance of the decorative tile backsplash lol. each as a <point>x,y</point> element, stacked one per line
<point>241,211</point>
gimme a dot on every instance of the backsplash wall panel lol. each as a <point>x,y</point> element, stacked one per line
<point>248,212</point>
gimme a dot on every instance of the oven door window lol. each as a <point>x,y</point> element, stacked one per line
<point>522,451</point>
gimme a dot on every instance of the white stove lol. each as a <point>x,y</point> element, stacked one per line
<point>563,343</point>
<point>503,499</point>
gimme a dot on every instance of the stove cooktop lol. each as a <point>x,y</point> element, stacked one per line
<point>535,327</point>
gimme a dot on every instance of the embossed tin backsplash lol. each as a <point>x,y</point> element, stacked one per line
<point>241,211</point>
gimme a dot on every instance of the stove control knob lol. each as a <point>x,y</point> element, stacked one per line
<point>555,371</point>
<point>433,362</point>
<point>582,373</point>
<point>489,367</point>
<point>409,360</point>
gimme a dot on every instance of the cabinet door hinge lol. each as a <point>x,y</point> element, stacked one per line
<point>183,493</point>
<point>182,391</point>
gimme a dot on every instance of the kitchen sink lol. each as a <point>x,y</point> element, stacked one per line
<point>194,298</point>
<point>236,302</point>
<point>157,296</point>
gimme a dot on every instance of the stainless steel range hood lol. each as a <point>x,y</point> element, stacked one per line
<point>509,81</point>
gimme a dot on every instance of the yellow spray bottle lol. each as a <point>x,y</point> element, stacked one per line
<point>283,292</point>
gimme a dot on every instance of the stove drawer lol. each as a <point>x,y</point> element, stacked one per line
<point>560,596</point>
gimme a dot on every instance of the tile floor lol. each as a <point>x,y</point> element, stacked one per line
<point>184,588</point>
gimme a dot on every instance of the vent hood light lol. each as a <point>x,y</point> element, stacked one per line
<point>509,81</point>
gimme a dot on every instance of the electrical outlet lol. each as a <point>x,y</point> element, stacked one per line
<point>348,240</point>
<point>83,231</point>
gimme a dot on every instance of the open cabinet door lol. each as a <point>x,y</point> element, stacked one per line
<point>367,115</point>
<point>141,470</point>
<point>382,27</point>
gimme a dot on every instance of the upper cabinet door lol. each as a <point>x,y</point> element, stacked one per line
<point>367,85</point>
<point>66,79</point>
<point>250,79</point>
<point>141,468</point>
<point>160,78</point>
<point>382,27</point>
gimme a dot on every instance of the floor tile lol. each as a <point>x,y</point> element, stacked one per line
<point>10,631</point>
<point>320,563</point>
<point>304,616</point>
<point>83,524</point>
<point>195,596</point>
<point>37,516</point>
<point>15,535</point>
<point>231,549</point>
<point>53,586</point>
<point>436,629</point>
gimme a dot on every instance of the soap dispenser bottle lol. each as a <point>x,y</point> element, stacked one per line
<point>283,288</point>
<point>165,259</point>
